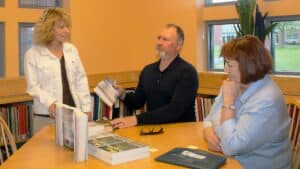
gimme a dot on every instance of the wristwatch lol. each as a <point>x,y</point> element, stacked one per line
<point>230,107</point>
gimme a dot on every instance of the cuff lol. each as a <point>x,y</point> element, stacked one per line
<point>227,128</point>
<point>50,101</point>
<point>206,124</point>
<point>86,108</point>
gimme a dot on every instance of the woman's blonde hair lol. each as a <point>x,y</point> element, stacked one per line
<point>43,29</point>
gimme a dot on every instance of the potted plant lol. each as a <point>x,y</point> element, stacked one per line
<point>250,24</point>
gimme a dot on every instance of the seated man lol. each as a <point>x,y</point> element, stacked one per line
<point>168,87</point>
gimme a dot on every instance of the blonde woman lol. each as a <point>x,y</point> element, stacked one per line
<point>53,69</point>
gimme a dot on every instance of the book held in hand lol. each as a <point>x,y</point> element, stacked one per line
<point>115,149</point>
<point>106,91</point>
<point>192,158</point>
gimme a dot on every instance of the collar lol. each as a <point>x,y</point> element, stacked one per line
<point>253,88</point>
<point>171,65</point>
<point>43,50</point>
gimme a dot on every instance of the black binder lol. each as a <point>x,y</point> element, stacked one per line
<point>192,158</point>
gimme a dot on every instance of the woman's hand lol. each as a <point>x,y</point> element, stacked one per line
<point>212,139</point>
<point>52,110</point>
<point>89,114</point>
<point>231,90</point>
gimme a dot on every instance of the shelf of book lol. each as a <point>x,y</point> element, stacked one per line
<point>203,104</point>
<point>13,90</point>
<point>18,118</point>
<point>102,111</point>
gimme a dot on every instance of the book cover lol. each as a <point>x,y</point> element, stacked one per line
<point>72,130</point>
<point>115,149</point>
<point>107,92</point>
<point>192,158</point>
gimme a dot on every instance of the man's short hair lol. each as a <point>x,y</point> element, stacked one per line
<point>179,31</point>
<point>254,59</point>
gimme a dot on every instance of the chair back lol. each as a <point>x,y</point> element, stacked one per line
<point>6,140</point>
<point>294,110</point>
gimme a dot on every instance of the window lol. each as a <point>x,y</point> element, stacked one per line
<point>25,42</point>
<point>218,34</point>
<point>39,3</point>
<point>214,2</point>
<point>1,50</point>
<point>1,2</point>
<point>286,45</point>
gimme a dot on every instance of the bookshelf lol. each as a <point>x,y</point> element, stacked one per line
<point>14,90</point>
<point>18,118</point>
<point>16,108</point>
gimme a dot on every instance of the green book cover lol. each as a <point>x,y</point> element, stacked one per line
<point>192,158</point>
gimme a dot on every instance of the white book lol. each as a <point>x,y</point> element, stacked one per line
<point>114,149</point>
<point>95,129</point>
<point>107,92</point>
<point>72,130</point>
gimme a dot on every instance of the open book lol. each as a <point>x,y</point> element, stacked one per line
<point>115,149</point>
<point>107,92</point>
<point>72,130</point>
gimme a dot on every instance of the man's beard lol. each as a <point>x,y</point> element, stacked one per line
<point>162,54</point>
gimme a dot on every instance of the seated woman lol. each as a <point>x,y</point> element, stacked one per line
<point>249,118</point>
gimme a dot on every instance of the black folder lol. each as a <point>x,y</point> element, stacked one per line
<point>192,158</point>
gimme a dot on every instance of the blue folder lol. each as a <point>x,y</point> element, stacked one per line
<point>192,158</point>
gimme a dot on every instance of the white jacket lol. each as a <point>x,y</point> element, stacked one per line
<point>43,77</point>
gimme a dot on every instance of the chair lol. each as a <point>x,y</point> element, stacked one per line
<point>6,140</point>
<point>296,156</point>
<point>294,110</point>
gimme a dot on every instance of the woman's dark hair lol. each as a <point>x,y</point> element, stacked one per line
<point>254,59</point>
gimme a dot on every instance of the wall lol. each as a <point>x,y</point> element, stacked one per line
<point>11,15</point>
<point>114,36</point>
<point>120,35</point>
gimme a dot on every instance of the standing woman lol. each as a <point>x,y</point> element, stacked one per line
<point>249,119</point>
<point>53,69</point>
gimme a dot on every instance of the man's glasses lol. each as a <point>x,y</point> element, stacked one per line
<point>151,131</point>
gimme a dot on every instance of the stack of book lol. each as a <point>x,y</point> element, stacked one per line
<point>115,149</point>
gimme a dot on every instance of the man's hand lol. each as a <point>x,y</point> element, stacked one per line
<point>212,139</point>
<point>121,91</point>
<point>124,122</point>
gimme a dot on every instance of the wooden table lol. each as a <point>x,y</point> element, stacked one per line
<point>41,152</point>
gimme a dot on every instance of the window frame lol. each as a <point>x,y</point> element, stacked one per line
<point>209,42</point>
<point>209,3</point>
<point>2,49</point>
<point>59,4</point>
<point>271,20</point>
<point>21,55</point>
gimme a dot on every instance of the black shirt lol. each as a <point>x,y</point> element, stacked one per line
<point>67,96</point>
<point>169,95</point>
